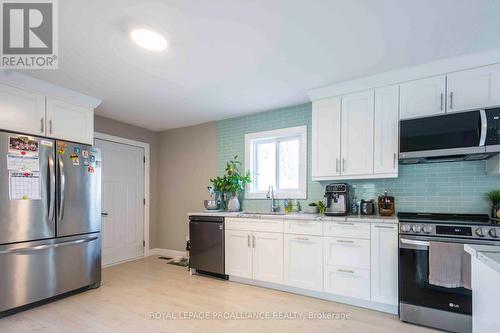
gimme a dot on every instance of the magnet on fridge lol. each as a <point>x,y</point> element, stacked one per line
<point>85,162</point>
<point>98,164</point>
<point>61,148</point>
<point>92,158</point>
<point>90,169</point>
<point>85,153</point>
<point>74,159</point>
<point>76,150</point>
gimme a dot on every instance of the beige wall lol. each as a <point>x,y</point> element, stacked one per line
<point>186,162</point>
<point>123,130</point>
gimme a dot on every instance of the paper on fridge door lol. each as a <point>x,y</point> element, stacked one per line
<point>24,185</point>
<point>18,163</point>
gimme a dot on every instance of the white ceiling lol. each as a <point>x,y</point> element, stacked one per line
<point>232,57</point>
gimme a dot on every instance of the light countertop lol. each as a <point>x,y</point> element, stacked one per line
<point>304,216</point>
<point>487,254</point>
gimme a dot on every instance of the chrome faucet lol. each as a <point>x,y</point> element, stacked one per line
<point>270,195</point>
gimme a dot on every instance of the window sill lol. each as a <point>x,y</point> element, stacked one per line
<point>278,195</point>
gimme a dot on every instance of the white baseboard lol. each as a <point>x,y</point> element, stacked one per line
<point>166,253</point>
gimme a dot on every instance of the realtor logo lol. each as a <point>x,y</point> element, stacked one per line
<point>29,34</point>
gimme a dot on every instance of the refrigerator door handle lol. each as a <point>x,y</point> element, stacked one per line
<point>62,185</point>
<point>51,189</point>
<point>48,246</point>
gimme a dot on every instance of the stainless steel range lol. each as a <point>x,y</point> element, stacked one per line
<point>427,304</point>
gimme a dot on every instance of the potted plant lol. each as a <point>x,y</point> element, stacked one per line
<point>312,208</point>
<point>232,183</point>
<point>494,197</point>
<point>321,207</point>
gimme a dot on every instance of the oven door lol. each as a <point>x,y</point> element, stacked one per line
<point>414,286</point>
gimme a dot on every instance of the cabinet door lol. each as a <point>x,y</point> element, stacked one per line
<point>423,97</point>
<point>21,111</point>
<point>347,252</point>
<point>267,256</point>
<point>238,253</point>
<point>474,88</point>
<point>69,122</point>
<point>384,268</point>
<point>357,134</point>
<point>303,256</point>
<point>326,138</point>
<point>386,136</point>
<point>347,281</point>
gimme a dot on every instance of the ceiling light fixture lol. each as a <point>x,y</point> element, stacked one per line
<point>148,39</point>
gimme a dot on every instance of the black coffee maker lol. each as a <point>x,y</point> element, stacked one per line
<point>336,199</point>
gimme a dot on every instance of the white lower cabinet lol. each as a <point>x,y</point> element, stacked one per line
<point>352,259</point>
<point>303,261</point>
<point>254,255</point>
<point>267,257</point>
<point>238,253</point>
<point>348,281</point>
<point>384,259</point>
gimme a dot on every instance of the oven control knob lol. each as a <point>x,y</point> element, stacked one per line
<point>427,229</point>
<point>480,232</point>
<point>405,227</point>
<point>417,228</point>
<point>493,233</point>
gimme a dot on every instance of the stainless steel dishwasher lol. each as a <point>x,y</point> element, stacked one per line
<point>206,239</point>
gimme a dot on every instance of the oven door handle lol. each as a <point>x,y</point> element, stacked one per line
<point>414,242</point>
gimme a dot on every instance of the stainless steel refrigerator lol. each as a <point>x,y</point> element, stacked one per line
<point>50,219</point>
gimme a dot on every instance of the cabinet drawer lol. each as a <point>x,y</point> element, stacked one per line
<point>346,281</point>
<point>249,224</point>
<point>303,227</point>
<point>347,252</point>
<point>347,229</point>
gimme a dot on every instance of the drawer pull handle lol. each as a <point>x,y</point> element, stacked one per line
<point>345,241</point>
<point>346,223</point>
<point>345,271</point>
<point>302,238</point>
<point>383,227</point>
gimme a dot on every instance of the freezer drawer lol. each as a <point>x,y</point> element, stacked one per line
<point>33,271</point>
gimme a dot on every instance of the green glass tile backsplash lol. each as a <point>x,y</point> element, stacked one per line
<point>457,187</point>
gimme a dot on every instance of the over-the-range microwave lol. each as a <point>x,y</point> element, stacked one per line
<point>471,135</point>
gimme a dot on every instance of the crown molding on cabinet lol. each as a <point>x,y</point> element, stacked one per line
<point>26,82</point>
<point>421,71</point>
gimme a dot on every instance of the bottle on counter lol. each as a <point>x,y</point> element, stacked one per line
<point>354,206</point>
<point>288,206</point>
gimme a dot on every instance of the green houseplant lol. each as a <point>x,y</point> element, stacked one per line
<point>232,183</point>
<point>494,198</point>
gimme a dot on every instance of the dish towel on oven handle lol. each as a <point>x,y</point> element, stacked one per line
<point>449,265</point>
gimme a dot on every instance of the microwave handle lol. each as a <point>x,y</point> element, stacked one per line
<point>484,127</point>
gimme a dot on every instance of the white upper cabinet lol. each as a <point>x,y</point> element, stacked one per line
<point>268,256</point>
<point>326,115</point>
<point>384,263</point>
<point>423,97</point>
<point>22,111</point>
<point>357,134</point>
<point>474,88</point>
<point>69,122</point>
<point>386,133</point>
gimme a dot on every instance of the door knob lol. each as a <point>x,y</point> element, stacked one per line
<point>104,214</point>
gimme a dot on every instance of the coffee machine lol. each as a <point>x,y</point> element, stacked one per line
<point>336,199</point>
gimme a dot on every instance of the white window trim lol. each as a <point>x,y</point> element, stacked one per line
<point>300,131</point>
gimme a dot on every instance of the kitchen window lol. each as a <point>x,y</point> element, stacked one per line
<point>277,158</point>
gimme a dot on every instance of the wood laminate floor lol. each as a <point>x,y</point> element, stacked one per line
<point>130,292</point>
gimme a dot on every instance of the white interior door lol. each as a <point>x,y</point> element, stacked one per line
<point>122,201</point>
